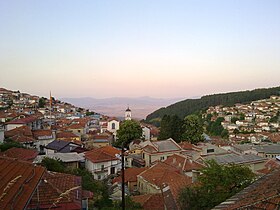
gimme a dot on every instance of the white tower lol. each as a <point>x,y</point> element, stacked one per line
<point>127,115</point>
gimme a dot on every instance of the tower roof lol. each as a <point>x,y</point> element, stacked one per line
<point>128,110</point>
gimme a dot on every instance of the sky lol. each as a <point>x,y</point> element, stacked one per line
<point>133,48</point>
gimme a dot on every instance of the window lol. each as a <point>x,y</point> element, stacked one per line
<point>102,167</point>
<point>113,126</point>
<point>161,158</point>
<point>210,150</point>
<point>98,177</point>
<point>79,131</point>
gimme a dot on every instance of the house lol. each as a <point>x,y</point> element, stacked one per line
<point>32,121</point>
<point>100,140</point>
<point>71,160</point>
<point>263,150</point>
<point>102,162</point>
<point>130,178</point>
<point>261,194</point>
<point>78,129</point>
<point>44,137</point>
<point>185,164</point>
<point>20,154</point>
<point>159,150</point>
<point>62,135</point>
<point>146,133</point>
<point>113,125</point>
<point>19,181</point>
<point>58,190</point>
<point>161,177</point>
<point>22,135</point>
<point>60,146</point>
<point>254,162</point>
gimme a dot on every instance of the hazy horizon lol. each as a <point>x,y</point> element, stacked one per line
<point>163,49</point>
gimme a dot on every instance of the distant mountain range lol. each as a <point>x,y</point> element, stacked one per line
<point>189,106</point>
<point>116,106</point>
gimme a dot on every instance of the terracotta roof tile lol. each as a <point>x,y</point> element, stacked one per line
<point>130,175</point>
<point>25,120</point>
<point>21,154</point>
<point>150,201</point>
<point>163,174</point>
<point>22,130</point>
<point>262,194</point>
<point>22,139</point>
<point>18,182</point>
<point>59,190</point>
<point>41,133</point>
<point>102,154</point>
<point>65,134</point>
<point>183,163</point>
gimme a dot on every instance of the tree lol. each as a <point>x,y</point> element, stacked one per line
<point>53,165</point>
<point>216,184</point>
<point>216,128</point>
<point>9,144</point>
<point>42,102</point>
<point>129,130</point>
<point>171,127</point>
<point>193,129</point>
<point>224,134</point>
<point>165,128</point>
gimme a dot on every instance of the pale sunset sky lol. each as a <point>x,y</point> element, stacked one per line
<point>132,48</point>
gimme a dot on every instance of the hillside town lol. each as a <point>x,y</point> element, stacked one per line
<point>155,170</point>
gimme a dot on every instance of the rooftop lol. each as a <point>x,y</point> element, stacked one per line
<point>262,194</point>
<point>150,201</point>
<point>102,154</point>
<point>20,153</point>
<point>60,190</point>
<point>18,182</point>
<point>234,158</point>
<point>64,157</point>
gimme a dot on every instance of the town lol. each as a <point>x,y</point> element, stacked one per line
<point>56,155</point>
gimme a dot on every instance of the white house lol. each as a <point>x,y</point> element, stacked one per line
<point>146,132</point>
<point>103,162</point>
<point>113,125</point>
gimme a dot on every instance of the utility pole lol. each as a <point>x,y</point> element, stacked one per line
<point>123,192</point>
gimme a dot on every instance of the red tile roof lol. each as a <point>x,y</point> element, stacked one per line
<point>163,174</point>
<point>150,201</point>
<point>65,134</point>
<point>183,163</point>
<point>18,182</point>
<point>21,154</point>
<point>262,194</point>
<point>22,130</point>
<point>76,126</point>
<point>25,120</point>
<point>58,190</point>
<point>270,165</point>
<point>102,154</point>
<point>130,175</point>
<point>41,133</point>
<point>22,139</point>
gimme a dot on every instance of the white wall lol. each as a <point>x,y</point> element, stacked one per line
<point>95,168</point>
<point>146,132</point>
<point>1,135</point>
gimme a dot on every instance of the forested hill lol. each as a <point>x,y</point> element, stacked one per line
<point>189,106</point>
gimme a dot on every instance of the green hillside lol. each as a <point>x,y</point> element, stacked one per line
<point>189,106</point>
